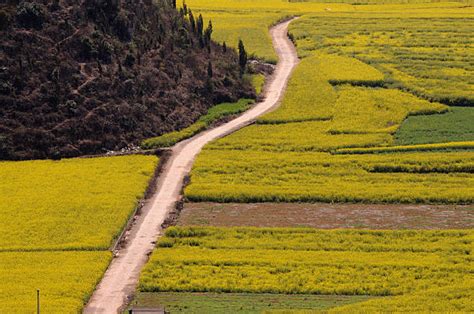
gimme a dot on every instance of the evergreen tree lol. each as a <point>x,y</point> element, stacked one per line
<point>185,8</point>
<point>192,21</point>
<point>209,69</point>
<point>200,25</point>
<point>242,57</point>
<point>207,36</point>
<point>224,47</point>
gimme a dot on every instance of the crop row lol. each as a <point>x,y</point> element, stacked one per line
<point>206,259</point>
<point>408,148</point>
<point>253,176</point>
<point>456,298</point>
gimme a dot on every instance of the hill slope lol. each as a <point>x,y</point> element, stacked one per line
<point>86,77</point>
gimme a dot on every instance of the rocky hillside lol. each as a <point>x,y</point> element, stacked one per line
<point>85,77</point>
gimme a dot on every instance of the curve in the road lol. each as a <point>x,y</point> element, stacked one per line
<point>120,280</point>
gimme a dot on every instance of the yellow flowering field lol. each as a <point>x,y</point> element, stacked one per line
<point>301,260</point>
<point>79,203</point>
<point>65,279</point>
<point>287,158</point>
<point>256,176</point>
<point>59,219</point>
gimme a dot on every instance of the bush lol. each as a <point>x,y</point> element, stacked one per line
<point>87,49</point>
<point>4,20</point>
<point>104,50</point>
<point>121,28</point>
<point>30,15</point>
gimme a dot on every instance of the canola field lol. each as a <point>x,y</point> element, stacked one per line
<point>329,157</point>
<point>59,219</point>
<point>301,260</point>
<point>361,88</point>
<point>430,59</point>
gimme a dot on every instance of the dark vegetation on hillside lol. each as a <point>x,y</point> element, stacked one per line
<point>84,77</point>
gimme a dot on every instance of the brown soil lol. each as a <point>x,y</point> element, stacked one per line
<point>329,216</point>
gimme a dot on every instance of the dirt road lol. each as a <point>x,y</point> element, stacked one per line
<point>121,278</point>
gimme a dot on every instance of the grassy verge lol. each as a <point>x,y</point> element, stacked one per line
<point>257,81</point>
<point>214,114</point>
<point>239,302</point>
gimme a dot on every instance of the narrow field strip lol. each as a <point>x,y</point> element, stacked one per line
<point>301,260</point>
<point>222,303</point>
<point>256,176</point>
<point>452,298</point>
<point>328,216</point>
<point>408,148</point>
<point>214,114</point>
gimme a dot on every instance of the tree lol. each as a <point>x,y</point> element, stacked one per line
<point>224,47</point>
<point>185,8</point>
<point>30,15</point>
<point>207,36</point>
<point>200,25</point>
<point>242,57</point>
<point>209,69</point>
<point>192,21</point>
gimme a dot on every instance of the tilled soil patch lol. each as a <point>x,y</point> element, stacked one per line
<point>329,216</point>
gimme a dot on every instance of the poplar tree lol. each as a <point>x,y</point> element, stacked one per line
<point>242,57</point>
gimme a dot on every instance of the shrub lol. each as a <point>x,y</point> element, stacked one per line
<point>4,20</point>
<point>30,15</point>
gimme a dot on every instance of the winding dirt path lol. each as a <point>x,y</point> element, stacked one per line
<point>121,278</point>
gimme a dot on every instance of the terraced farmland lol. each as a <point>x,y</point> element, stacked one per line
<point>283,160</point>
<point>431,60</point>
<point>59,219</point>
<point>367,119</point>
<point>375,125</point>
<point>266,260</point>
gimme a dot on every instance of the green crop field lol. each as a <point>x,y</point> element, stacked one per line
<point>251,303</point>
<point>457,125</point>
<point>59,219</point>
<point>350,262</point>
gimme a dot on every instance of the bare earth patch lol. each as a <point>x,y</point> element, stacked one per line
<point>329,216</point>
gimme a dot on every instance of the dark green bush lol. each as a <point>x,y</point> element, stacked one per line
<point>30,15</point>
<point>4,20</point>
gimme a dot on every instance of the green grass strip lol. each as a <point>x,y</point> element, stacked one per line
<point>214,114</point>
